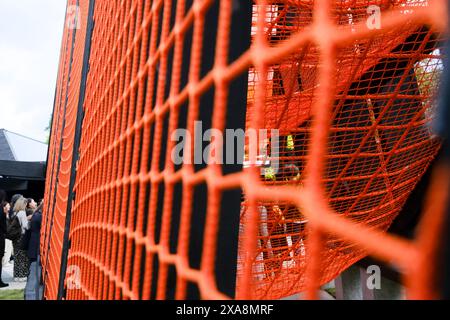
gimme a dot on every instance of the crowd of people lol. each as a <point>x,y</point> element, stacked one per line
<point>20,223</point>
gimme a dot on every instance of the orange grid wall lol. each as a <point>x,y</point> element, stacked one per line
<point>62,144</point>
<point>351,99</point>
<point>379,141</point>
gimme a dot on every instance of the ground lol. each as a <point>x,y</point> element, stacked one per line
<point>15,289</point>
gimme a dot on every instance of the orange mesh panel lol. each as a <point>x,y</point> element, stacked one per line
<point>55,141</point>
<point>379,144</point>
<point>58,115</point>
<point>62,150</point>
<point>352,105</point>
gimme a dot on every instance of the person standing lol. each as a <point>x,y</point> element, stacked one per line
<point>32,289</point>
<point>21,262</point>
<point>3,214</point>
<point>9,246</point>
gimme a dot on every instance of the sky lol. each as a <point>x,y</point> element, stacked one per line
<point>30,42</point>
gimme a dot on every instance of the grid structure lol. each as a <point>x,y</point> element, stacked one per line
<point>352,103</point>
<point>379,143</point>
<point>62,144</point>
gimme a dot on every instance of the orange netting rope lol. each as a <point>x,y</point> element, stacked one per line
<point>351,102</point>
<point>61,150</point>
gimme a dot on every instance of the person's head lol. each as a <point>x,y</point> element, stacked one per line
<point>20,205</point>
<point>14,198</point>
<point>31,204</point>
<point>5,207</point>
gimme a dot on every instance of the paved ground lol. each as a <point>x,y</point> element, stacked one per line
<point>323,295</point>
<point>7,277</point>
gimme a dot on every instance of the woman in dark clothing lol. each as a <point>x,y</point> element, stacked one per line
<point>14,198</point>
<point>21,262</point>
<point>32,289</point>
<point>3,213</point>
<point>35,229</point>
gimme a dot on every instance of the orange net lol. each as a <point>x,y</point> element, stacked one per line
<point>61,145</point>
<point>348,84</point>
<point>379,144</point>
